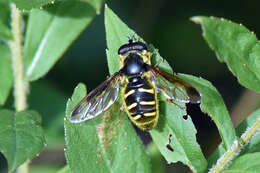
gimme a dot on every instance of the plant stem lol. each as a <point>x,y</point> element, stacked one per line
<point>230,154</point>
<point>18,68</point>
<point>17,59</point>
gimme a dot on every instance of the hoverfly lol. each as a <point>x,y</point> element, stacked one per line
<point>140,82</point>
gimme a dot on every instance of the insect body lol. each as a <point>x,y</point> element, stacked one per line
<point>140,82</point>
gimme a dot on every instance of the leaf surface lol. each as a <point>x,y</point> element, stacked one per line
<point>96,4</point>
<point>47,39</point>
<point>5,32</point>
<point>252,146</point>
<point>214,106</point>
<point>107,143</point>
<point>6,73</point>
<point>21,136</point>
<point>183,132</point>
<point>236,46</point>
<point>248,163</point>
<point>29,4</point>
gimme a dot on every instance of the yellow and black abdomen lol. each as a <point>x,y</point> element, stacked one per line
<point>140,100</point>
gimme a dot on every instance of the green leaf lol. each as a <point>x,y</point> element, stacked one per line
<point>171,122</point>
<point>157,160</point>
<point>213,105</point>
<point>6,73</point>
<point>235,45</point>
<point>51,107</point>
<point>5,32</point>
<point>5,12</point>
<point>180,134</point>
<point>248,163</point>
<point>21,136</point>
<point>30,4</point>
<point>252,146</point>
<point>47,39</point>
<point>44,168</point>
<point>65,169</point>
<point>107,143</point>
<point>96,4</point>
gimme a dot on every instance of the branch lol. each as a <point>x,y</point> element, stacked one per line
<point>18,68</point>
<point>17,59</point>
<point>230,154</point>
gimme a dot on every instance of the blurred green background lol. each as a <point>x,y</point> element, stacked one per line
<point>166,25</point>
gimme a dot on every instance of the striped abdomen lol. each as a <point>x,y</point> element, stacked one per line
<point>141,103</point>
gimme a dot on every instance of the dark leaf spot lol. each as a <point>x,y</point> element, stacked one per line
<point>185,117</point>
<point>169,148</point>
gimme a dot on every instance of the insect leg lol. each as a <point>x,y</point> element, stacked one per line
<point>159,62</point>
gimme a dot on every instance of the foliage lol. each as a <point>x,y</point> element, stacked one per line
<point>18,131</point>
<point>46,40</point>
<point>105,140</point>
<point>109,142</point>
<point>236,46</point>
<point>22,137</point>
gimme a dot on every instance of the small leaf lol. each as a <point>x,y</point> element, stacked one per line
<point>186,149</point>
<point>49,101</point>
<point>235,45</point>
<point>6,73</point>
<point>21,136</point>
<point>29,4</point>
<point>214,106</point>
<point>252,146</point>
<point>107,143</point>
<point>47,39</point>
<point>248,163</point>
<point>5,32</point>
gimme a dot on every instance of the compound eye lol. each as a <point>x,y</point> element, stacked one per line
<point>123,49</point>
<point>138,46</point>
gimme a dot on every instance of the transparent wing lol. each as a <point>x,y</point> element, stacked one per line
<point>173,87</point>
<point>97,101</point>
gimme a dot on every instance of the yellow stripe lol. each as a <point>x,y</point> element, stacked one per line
<point>132,106</point>
<point>129,93</point>
<point>147,102</point>
<point>146,90</point>
<point>137,117</point>
<point>150,114</point>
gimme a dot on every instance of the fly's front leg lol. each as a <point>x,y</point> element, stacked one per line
<point>159,62</point>
<point>123,81</point>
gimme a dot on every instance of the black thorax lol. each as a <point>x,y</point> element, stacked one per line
<point>133,65</point>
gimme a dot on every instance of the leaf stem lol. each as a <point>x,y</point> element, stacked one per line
<point>20,84</point>
<point>230,154</point>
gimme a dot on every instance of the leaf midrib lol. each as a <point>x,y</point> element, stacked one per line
<point>34,61</point>
<point>15,142</point>
<point>102,150</point>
